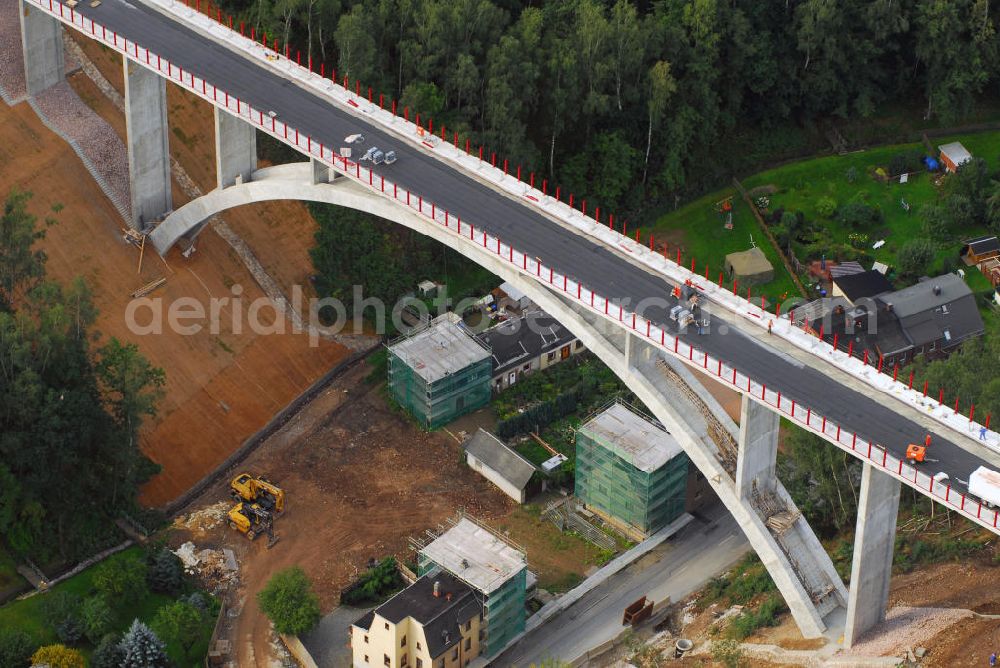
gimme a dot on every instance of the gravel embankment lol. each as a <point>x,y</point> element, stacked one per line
<point>93,139</point>
<point>12,88</point>
<point>905,627</point>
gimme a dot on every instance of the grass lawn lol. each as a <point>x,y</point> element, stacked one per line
<point>27,615</point>
<point>559,559</point>
<point>701,232</point>
<point>800,186</point>
<point>699,229</point>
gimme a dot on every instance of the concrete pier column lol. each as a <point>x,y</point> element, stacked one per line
<point>630,349</point>
<point>758,448</point>
<point>42,48</point>
<point>235,149</point>
<point>874,540</point>
<point>321,173</point>
<point>148,143</point>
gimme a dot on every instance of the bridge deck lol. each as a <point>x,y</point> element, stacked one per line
<point>874,417</point>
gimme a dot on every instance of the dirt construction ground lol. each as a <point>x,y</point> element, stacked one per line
<point>220,388</point>
<point>360,479</point>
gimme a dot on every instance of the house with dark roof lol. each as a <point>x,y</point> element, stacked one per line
<point>433,623</point>
<point>857,286</point>
<point>523,345</point>
<point>935,315</point>
<point>980,249</point>
<point>499,464</point>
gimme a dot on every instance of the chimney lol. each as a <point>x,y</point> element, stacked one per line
<point>447,597</point>
<point>937,289</point>
<point>437,589</point>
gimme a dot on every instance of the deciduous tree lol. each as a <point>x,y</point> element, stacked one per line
<point>58,656</point>
<point>289,602</point>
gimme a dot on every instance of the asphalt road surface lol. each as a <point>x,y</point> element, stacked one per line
<point>584,259</point>
<point>675,569</point>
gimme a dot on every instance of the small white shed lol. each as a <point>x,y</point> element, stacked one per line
<point>499,464</point>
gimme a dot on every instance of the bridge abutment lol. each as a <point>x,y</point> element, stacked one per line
<point>874,541</point>
<point>758,443</point>
<point>42,49</point>
<point>235,149</point>
<point>148,143</point>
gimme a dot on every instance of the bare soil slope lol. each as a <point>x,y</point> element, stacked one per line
<point>221,387</point>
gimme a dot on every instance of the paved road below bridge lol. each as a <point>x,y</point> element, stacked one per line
<point>675,569</point>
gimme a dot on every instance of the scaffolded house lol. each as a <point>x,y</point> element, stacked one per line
<point>630,471</point>
<point>439,373</point>
<point>495,569</point>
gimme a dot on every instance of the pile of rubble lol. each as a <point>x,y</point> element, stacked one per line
<point>204,520</point>
<point>217,569</point>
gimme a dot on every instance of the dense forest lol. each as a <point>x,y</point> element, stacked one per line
<point>69,415</point>
<point>631,103</point>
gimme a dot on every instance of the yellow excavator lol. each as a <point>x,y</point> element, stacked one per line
<point>257,490</point>
<point>251,520</point>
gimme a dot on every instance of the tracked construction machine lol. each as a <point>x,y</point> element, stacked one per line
<point>251,520</point>
<point>258,500</point>
<point>259,490</point>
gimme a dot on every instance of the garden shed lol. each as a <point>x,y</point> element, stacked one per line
<point>749,266</point>
<point>953,155</point>
<point>980,249</point>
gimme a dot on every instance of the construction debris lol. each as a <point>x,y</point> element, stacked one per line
<point>201,521</point>
<point>149,287</point>
<point>782,521</point>
<point>218,568</point>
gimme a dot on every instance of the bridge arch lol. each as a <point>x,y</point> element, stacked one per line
<point>630,358</point>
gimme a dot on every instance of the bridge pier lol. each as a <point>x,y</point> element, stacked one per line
<point>758,442</point>
<point>42,49</point>
<point>322,173</point>
<point>874,542</point>
<point>235,149</point>
<point>148,144</point>
<point>793,556</point>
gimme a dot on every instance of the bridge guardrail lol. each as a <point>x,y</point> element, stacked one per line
<point>522,262</point>
<point>591,226</point>
<point>488,171</point>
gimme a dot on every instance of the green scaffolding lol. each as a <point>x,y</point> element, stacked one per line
<point>436,404</point>
<point>608,482</point>
<point>504,612</point>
